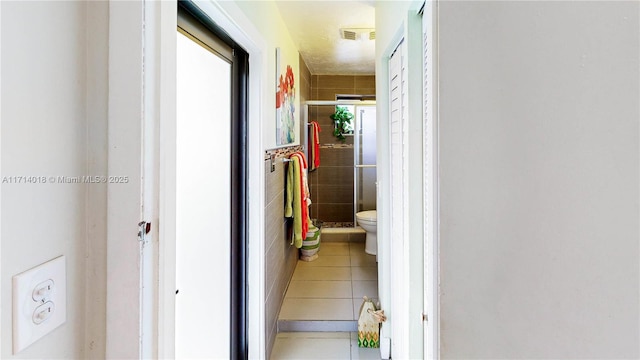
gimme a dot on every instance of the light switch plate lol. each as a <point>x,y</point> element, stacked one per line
<point>39,302</point>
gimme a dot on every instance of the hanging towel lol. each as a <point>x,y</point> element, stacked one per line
<point>312,148</point>
<point>304,193</point>
<point>297,201</point>
<point>293,208</point>
<point>314,145</point>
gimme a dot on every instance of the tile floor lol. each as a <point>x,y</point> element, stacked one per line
<point>320,345</point>
<point>332,286</point>
<point>329,288</point>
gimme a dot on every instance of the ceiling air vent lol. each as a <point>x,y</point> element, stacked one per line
<point>348,34</point>
<point>357,33</point>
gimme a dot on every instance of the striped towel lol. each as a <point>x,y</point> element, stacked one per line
<point>298,199</point>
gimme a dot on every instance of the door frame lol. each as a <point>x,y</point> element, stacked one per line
<point>126,121</point>
<point>431,185</point>
<point>1,312</point>
<point>149,28</point>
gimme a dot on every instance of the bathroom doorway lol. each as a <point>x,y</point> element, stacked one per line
<point>346,182</point>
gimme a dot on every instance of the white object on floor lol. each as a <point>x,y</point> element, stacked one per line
<point>368,220</point>
<point>385,347</point>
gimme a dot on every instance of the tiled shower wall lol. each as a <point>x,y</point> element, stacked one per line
<point>331,184</point>
<point>304,91</point>
<point>281,257</point>
<point>305,82</point>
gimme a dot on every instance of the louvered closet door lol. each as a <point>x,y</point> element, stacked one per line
<point>399,215</point>
<point>397,156</point>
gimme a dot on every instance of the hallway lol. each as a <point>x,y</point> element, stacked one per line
<point>330,289</point>
<point>318,319</point>
<point>525,112</point>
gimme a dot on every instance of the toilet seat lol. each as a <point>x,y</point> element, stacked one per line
<point>369,216</point>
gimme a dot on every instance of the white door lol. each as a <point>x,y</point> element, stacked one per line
<point>399,194</point>
<point>203,196</point>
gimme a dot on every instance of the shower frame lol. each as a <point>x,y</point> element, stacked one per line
<point>356,140</point>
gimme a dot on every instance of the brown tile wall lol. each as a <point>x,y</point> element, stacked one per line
<point>304,91</point>
<point>280,258</point>
<point>343,237</point>
<point>304,81</point>
<point>331,184</point>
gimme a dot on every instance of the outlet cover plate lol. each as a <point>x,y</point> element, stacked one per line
<point>25,330</point>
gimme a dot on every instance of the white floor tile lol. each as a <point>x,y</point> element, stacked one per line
<point>368,288</point>
<point>322,273</point>
<point>324,260</point>
<point>319,289</point>
<point>347,230</point>
<point>315,335</point>
<point>318,348</point>
<point>316,309</point>
<point>336,248</point>
<point>364,273</point>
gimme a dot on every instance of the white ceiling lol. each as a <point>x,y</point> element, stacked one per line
<point>315,29</point>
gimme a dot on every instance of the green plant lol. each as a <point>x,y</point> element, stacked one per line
<point>342,120</point>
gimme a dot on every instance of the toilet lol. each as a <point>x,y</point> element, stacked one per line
<point>368,220</point>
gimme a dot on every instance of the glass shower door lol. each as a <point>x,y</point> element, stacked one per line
<point>364,187</point>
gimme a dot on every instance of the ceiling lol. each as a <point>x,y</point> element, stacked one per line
<point>315,29</point>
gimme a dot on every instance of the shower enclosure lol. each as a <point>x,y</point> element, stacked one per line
<point>355,157</point>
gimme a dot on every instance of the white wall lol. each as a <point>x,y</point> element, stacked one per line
<point>46,130</point>
<point>97,27</point>
<point>539,176</point>
<point>539,179</point>
<point>68,70</point>
<point>265,17</point>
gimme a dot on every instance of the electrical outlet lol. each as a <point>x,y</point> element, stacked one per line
<point>39,302</point>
